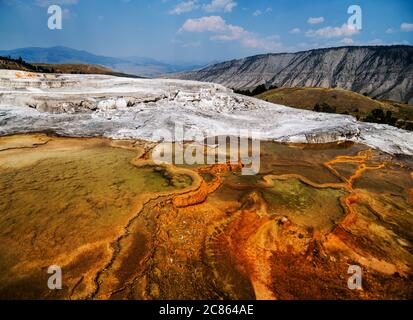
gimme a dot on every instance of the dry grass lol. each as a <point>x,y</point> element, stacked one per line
<point>82,69</point>
<point>10,64</point>
<point>343,101</point>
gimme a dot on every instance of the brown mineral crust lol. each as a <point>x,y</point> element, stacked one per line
<point>222,235</point>
<point>361,248</point>
<point>410,196</point>
<point>324,268</point>
<point>84,257</point>
<point>280,259</point>
<point>195,197</point>
<point>198,196</point>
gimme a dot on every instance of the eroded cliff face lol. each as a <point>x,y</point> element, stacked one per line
<point>122,227</point>
<point>380,72</point>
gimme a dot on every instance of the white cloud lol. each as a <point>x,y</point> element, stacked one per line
<point>332,32</point>
<point>269,9</point>
<point>46,3</point>
<point>227,32</point>
<point>406,26</point>
<point>233,33</point>
<point>220,5</point>
<point>212,24</point>
<point>347,41</point>
<point>183,7</point>
<point>315,20</point>
<point>257,13</point>
<point>295,30</point>
<point>270,43</point>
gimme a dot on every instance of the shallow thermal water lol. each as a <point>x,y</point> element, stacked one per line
<point>123,228</point>
<point>64,195</point>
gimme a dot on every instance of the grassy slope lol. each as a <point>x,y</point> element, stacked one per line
<point>15,65</point>
<point>59,68</point>
<point>343,101</point>
<point>83,69</point>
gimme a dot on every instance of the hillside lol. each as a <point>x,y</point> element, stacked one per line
<point>82,69</point>
<point>343,102</point>
<point>20,64</point>
<point>383,72</point>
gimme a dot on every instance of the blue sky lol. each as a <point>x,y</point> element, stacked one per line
<point>203,30</point>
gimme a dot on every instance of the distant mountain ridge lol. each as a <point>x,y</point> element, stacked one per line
<point>9,63</point>
<point>139,66</point>
<point>384,72</point>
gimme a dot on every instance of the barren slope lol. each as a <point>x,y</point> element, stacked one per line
<point>384,72</point>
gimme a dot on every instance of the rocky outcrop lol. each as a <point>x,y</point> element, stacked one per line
<point>123,108</point>
<point>384,72</point>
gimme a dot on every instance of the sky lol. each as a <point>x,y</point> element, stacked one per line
<point>203,30</point>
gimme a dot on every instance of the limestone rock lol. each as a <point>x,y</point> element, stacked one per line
<point>124,108</point>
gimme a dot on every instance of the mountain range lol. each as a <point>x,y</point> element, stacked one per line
<point>139,66</point>
<point>383,72</point>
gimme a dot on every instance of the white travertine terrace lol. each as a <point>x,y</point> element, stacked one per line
<point>123,108</point>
